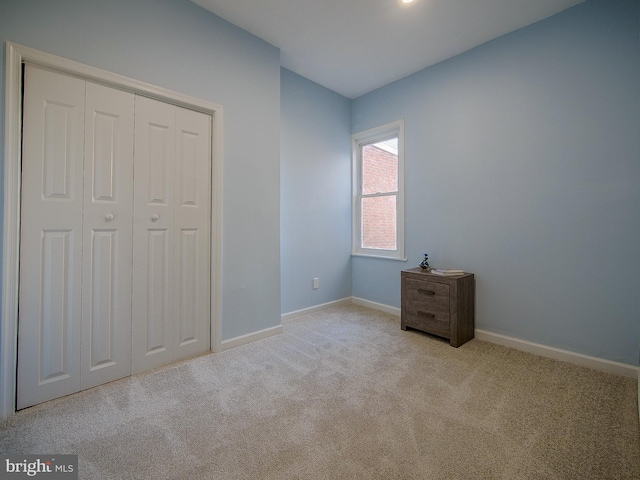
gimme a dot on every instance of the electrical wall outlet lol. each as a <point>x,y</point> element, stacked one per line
<point>316,283</point>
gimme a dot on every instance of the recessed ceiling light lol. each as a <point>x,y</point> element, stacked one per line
<point>407,1</point>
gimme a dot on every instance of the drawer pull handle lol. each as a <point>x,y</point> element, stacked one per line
<point>426,292</point>
<point>425,314</point>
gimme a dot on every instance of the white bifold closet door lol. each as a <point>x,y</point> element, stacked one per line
<point>84,236</point>
<point>75,251</point>
<point>171,275</point>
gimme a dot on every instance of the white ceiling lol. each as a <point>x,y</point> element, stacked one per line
<point>355,46</point>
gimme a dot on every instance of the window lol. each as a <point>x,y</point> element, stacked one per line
<point>378,191</point>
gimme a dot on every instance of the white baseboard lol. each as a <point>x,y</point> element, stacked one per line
<point>251,337</point>
<point>344,301</point>
<point>268,332</point>
<point>376,306</point>
<point>316,308</point>
<point>562,355</point>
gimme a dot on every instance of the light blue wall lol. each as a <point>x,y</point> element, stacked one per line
<point>315,193</point>
<point>177,45</point>
<point>523,166</point>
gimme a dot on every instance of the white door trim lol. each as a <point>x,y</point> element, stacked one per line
<point>16,55</point>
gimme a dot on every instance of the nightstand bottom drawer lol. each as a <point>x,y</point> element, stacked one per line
<point>426,322</point>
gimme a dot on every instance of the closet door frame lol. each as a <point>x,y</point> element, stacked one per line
<point>16,56</point>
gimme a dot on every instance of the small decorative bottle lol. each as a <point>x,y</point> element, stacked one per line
<point>425,263</point>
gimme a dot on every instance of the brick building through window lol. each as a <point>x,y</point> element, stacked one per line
<point>380,176</point>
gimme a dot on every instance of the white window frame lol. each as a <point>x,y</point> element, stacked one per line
<point>358,140</point>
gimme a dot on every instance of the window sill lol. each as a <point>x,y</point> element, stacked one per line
<point>381,257</point>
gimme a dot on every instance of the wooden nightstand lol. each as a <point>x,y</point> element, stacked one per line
<point>437,304</point>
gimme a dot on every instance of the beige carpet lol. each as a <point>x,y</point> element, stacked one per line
<point>345,394</point>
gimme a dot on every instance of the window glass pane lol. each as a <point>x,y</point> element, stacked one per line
<point>379,222</point>
<point>380,167</point>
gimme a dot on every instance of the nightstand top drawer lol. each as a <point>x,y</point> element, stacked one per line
<point>427,287</point>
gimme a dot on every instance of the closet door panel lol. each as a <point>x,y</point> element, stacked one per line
<point>192,232</point>
<point>153,267</point>
<point>51,237</point>
<point>107,235</point>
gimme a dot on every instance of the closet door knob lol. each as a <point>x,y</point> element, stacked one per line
<point>154,217</point>
<point>108,217</point>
